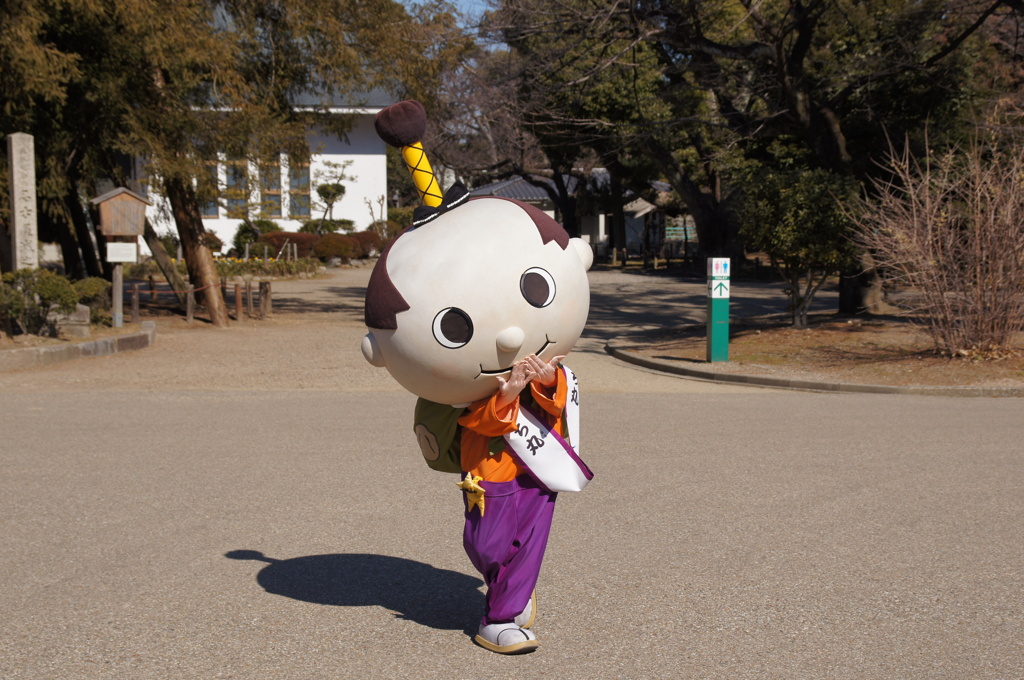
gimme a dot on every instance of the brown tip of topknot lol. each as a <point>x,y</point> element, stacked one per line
<point>401,124</point>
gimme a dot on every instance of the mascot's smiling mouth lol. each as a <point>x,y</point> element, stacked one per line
<point>547,343</point>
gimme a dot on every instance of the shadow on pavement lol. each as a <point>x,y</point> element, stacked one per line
<point>348,299</point>
<point>418,592</point>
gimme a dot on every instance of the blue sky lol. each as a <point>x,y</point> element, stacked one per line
<point>471,9</point>
<point>474,7</point>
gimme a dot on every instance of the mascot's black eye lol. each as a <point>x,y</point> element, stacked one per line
<point>538,287</point>
<point>452,327</point>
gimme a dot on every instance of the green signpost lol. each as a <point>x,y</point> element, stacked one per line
<point>718,309</point>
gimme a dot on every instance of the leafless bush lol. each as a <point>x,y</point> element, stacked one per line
<point>951,227</point>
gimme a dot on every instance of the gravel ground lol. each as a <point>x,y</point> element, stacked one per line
<point>249,502</point>
<point>654,316</point>
<point>311,341</point>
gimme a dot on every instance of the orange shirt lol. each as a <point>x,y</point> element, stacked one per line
<point>482,422</point>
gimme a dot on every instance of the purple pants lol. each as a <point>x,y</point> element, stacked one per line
<point>507,544</point>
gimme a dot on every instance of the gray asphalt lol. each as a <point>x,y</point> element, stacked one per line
<point>216,529</point>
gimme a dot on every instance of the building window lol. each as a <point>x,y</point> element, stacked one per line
<point>270,190</point>
<point>298,190</point>
<point>207,191</point>
<point>236,187</point>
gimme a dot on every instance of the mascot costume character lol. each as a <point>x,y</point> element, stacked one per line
<point>472,309</point>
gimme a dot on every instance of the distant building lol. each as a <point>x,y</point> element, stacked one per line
<point>285,192</point>
<point>643,218</point>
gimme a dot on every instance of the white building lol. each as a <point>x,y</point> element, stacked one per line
<point>286,192</point>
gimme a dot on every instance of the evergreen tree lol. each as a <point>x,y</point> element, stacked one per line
<point>102,84</point>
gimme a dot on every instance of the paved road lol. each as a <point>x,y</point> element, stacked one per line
<point>202,524</point>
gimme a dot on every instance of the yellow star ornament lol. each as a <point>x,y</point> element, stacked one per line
<point>474,492</point>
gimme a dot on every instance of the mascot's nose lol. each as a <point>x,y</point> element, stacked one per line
<point>511,339</point>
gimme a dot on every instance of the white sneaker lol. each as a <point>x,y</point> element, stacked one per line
<point>506,638</point>
<point>529,615</point>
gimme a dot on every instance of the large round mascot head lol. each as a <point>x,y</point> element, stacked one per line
<point>469,290</point>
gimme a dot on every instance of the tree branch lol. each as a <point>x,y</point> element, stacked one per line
<point>956,42</point>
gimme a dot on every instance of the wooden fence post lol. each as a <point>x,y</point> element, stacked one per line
<point>238,302</point>
<point>248,296</point>
<point>190,304</point>
<point>265,304</point>
<point>135,303</point>
<point>152,288</point>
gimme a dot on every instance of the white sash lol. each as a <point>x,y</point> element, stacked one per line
<point>548,458</point>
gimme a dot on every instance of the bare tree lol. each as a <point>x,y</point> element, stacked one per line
<point>476,128</point>
<point>948,228</point>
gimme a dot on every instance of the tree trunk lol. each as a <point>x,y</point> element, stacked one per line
<point>198,256</point>
<point>5,248</point>
<point>860,290</point>
<point>163,261</point>
<point>83,232</point>
<point>558,192</point>
<point>800,316</point>
<point>717,231</point>
<point>74,266</point>
<point>851,301</point>
<point>566,206</point>
<point>618,230</point>
<point>57,227</point>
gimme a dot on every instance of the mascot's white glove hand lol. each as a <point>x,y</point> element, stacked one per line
<point>525,371</point>
<point>545,374</point>
<point>508,390</point>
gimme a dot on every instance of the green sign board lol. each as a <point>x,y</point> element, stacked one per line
<point>718,309</point>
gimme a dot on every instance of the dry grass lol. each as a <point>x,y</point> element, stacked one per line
<point>875,352</point>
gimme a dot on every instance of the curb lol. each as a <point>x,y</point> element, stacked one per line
<point>623,354</point>
<point>30,357</point>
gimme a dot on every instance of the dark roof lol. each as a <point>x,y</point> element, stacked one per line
<point>374,99</point>
<point>521,189</point>
<point>528,191</point>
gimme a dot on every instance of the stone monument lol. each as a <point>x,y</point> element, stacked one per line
<point>23,227</point>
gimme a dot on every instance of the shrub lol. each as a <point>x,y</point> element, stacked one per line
<point>797,218</point>
<point>265,226</point>
<point>142,270</point>
<point>250,230</point>
<point>12,306</point>
<point>232,268</point>
<point>95,292</point>
<point>369,243</point>
<point>277,240</point>
<point>42,292</point>
<point>170,242</point>
<point>400,216</point>
<point>387,229</point>
<point>949,227</point>
<point>213,242</point>
<point>327,226</point>
<point>337,245</point>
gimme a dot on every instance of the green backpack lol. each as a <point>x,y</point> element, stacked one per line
<point>437,432</point>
